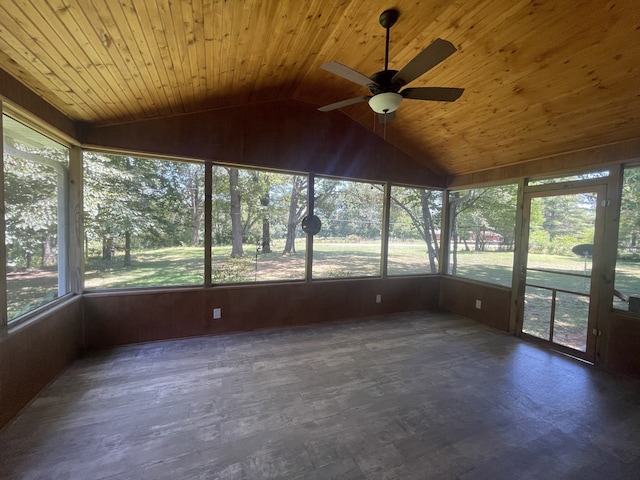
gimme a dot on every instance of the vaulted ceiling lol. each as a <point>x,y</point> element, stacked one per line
<point>540,77</point>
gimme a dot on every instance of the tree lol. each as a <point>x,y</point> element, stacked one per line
<point>422,207</point>
<point>31,209</point>
<point>113,203</point>
<point>296,212</point>
<point>183,192</point>
<point>481,215</point>
<point>630,208</point>
<point>236,214</point>
<point>456,206</point>
<point>131,199</point>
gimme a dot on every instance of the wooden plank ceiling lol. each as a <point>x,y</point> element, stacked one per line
<point>540,77</point>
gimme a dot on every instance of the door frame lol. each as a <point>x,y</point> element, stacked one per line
<point>598,186</point>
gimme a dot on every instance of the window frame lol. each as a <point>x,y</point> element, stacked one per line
<point>619,192</point>
<point>384,229</point>
<point>445,245</point>
<point>439,252</point>
<point>66,275</point>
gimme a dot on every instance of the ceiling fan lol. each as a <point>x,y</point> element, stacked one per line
<point>385,85</point>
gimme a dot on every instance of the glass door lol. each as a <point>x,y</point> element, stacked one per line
<point>559,291</point>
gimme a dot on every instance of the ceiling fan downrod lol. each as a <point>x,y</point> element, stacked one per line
<point>388,18</point>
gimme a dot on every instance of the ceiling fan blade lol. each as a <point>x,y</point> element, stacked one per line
<point>386,117</point>
<point>428,58</point>
<point>348,73</point>
<point>344,103</point>
<point>437,94</point>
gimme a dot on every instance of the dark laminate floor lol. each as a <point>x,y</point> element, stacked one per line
<point>418,395</point>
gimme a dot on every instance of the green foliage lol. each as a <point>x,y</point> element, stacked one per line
<point>31,208</point>
<point>487,215</point>
<point>158,203</point>
<point>562,245</point>
<point>630,209</point>
<point>538,241</point>
<point>349,208</point>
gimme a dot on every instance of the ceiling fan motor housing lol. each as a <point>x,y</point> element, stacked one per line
<point>381,82</point>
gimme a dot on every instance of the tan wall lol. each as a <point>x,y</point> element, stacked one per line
<point>623,352</point>
<point>35,353</point>
<point>459,296</point>
<point>132,317</point>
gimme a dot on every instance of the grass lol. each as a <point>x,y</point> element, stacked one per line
<point>185,266</point>
<point>28,290</point>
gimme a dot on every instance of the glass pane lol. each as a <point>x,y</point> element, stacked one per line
<point>349,243</point>
<point>414,231</point>
<point>35,170</point>
<point>537,312</point>
<point>570,324</point>
<point>627,281</point>
<point>560,281</point>
<point>559,258</point>
<point>569,178</point>
<point>143,222</point>
<point>561,241</point>
<point>483,233</point>
<point>256,232</point>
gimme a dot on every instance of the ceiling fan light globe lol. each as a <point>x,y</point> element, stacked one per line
<point>385,102</point>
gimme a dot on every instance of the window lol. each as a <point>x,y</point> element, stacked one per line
<point>483,233</point>
<point>627,280</point>
<point>35,183</point>
<point>569,178</point>
<point>349,243</point>
<point>144,222</point>
<point>256,232</point>
<point>414,231</point>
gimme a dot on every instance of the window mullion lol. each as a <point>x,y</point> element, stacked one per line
<point>3,247</point>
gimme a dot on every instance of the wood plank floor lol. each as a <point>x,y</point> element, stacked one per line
<point>420,395</point>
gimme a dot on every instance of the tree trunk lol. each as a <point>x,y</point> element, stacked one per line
<point>236,220</point>
<point>296,191</point>
<point>196,214</point>
<point>107,248</point>
<point>47,254</point>
<point>127,249</point>
<point>453,225</point>
<point>428,231</point>
<point>266,230</point>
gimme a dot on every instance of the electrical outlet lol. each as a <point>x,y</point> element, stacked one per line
<point>478,304</point>
<point>217,313</point>
<point>378,298</point>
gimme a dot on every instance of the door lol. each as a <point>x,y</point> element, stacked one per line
<point>558,290</point>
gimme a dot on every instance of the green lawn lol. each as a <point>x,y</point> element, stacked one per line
<point>184,266</point>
